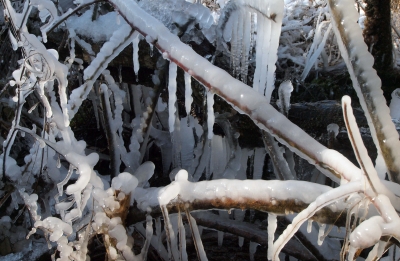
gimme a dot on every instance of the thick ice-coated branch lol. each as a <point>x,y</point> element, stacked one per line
<point>366,83</point>
<point>242,97</point>
<point>280,197</point>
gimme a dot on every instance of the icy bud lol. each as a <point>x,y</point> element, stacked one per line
<point>125,182</point>
<point>333,131</point>
<point>284,92</point>
<point>144,172</point>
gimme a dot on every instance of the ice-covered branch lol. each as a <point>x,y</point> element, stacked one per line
<point>366,83</point>
<point>119,40</point>
<point>280,197</point>
<point>241,96</point>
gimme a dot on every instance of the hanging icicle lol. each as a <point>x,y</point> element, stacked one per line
<point>272,224</point>
<point>135,46</point>
<point>188,93</point>
<point>172,96</point>
<point>321,233</point>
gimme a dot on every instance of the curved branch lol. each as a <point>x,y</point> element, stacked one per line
<point>279,197</point>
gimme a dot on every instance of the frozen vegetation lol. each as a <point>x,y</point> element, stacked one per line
<point>57,197</point>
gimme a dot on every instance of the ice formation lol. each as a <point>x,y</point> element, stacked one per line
<point>221,156</point>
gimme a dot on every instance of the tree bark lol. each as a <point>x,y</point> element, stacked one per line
<point>377,33</point>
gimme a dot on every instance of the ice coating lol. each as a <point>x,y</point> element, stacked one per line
<point>241,190</point>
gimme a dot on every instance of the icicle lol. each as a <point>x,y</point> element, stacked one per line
<point>120,74</point>
<point>259,52</point>
<point>135,46</point>
<point>246,46</point>
<point>172,95</point>
<point>259,157</point>
<point>252,250</point>
<point>239,44</point>
<point>13,41</point>
<point>93,98</point>
<point>316,54</point>
<point>220,238</point>
<point>176,144</point>
<point>272,224</point>
<point>33,107</point>
<point>235,51</point>
<point>241,241</point>
<point>158,234</point>
<point>253,17</point>
<point>151,49</point>
<point>182,238</point>
<point>188,93</point>
<point>72,46</point>
<point>266,43</point>
<point>284,92</point>
<point>196,234</point>
<point>171,237</point>
<point>395,105</point>
<point>309,226</point>
<point>210,114</point>
<point>58,161</point>
<point>321,233</point>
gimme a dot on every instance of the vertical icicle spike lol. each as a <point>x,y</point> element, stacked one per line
<point>272,224</point>
<point>172,95</point>
<point>188,93</point>
<point>135,46</point>
<point>321,233</point>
